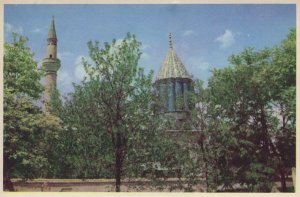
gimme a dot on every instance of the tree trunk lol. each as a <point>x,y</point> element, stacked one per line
<point>200,142</point>
<point>118,167</point>
<point>265,137</point>
<point>283,181</point>
<point>282,173</point>
<point>118,161</point>
<point>7,184</point>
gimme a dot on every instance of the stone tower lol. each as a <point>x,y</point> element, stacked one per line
<point>173,84</point>
<point>51,64</point>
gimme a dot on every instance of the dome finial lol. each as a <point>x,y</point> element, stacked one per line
<point>170,40</point>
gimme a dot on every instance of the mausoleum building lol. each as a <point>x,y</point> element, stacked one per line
<point>174,86</point>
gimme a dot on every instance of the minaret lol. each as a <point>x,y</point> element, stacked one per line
<point>173,84</point>
<point>51,65</point>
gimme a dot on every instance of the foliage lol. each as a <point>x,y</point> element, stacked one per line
<point>26,128</point>
<point>20,72</point>
<point>84,143</point>
<point>109,119</point>
<point>110,126</point>
<point>243,131</point>
<point>125,95</point>
<point>284,78</point>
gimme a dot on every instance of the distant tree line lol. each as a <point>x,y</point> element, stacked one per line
<point>110,127</point>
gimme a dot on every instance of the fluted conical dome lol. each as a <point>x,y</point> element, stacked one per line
<point>172,67</point>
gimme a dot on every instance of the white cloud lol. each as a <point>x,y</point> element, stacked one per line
<point>199,68</point>
<point>199,63</point>
<point>226,40</point>
<point>79,68</point>
<point>145,46</point>
<point>64,55</point>
<point>40,29</point>
<point>145,56</point>
<point>11,28</point>
<point>118,42</point>
<point>64,80</point>
<point>115,48</point>
<point>188,33</point>
<point>37,30</point>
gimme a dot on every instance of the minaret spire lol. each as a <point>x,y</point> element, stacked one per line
<point>51,64</point>
<point>52,32</point>
<point>170,41</point>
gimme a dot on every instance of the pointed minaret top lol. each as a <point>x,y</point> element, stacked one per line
<point>170,41</point>
<point>52,32</point>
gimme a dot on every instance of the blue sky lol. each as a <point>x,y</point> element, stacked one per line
<point>204,36</point>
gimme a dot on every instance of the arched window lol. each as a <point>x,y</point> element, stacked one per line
<point>50,56</point>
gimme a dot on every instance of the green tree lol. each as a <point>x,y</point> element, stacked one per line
<point>244,105</point>
<point>84,144</point>
<point>284,99</point>
<point>254,99</point>
<point>202,121</point>
<point>113,112</point>
<point>25,126</point>
<point>21,76</point>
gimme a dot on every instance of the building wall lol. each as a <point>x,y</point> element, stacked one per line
<point>174,94</point>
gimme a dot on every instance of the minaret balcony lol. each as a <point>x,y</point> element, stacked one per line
<point>51,64</point>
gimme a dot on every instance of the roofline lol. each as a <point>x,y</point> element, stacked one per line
<point>174,78</point>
